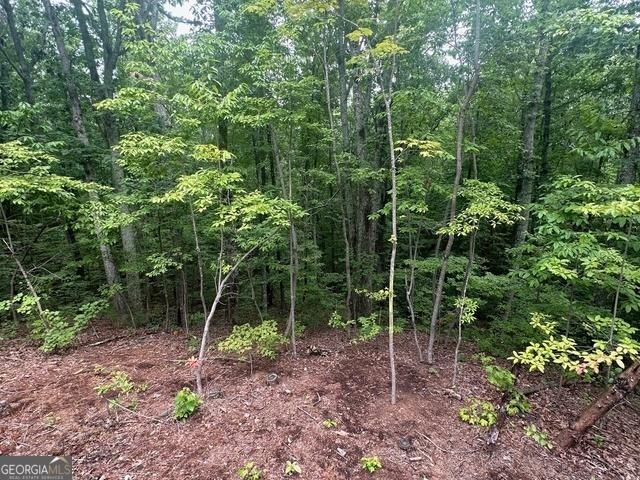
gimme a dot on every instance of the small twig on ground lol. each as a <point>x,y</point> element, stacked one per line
<point>425,454</point>
<point>308,414</point>
<point>101,342</point>
<point>471,450</point>
<point>154,419</point>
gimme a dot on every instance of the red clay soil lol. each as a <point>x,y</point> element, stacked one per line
<point>48,406</point>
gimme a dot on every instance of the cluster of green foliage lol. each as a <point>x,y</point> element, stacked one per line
<point>57,333</point>
<point>371,464</point>
<point>186,404</point>
<point>262,340</point>
<point>329,423</point>
<point>250,471</point>
<point>479,413</point>
<point>538,436</point>
<point>119,389</point>
<point>581,245</point>
<point>292,468</point>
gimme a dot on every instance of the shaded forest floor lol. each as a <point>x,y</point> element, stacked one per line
<point>48,406</point>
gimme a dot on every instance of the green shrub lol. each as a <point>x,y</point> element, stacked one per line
<point>371,464</point>
<point>329,423</point>
<point>500,377</point>
<point>368,327</point>
<point>193,343</point>
<point>336,321</point>
<point>478,413</point>
<point>292,468</point>
<point>8,330</point>
<point>119,388</point>
<point>262,340</point>
<point>56,332</point>
<point>501,338</point>
<point>250,471</point>
<point>538,436</point>
<point>399,325</point>
<point>517,404</point>
<point>186,404</point>
<point>300,329</point>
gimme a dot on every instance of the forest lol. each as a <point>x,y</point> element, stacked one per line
<point>321,239</point>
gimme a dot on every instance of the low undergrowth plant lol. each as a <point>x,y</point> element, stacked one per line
<point>538,436</point>
<point>186,404</point>
<point>478,413</point>
<point>249,471</point>
<point>371,464</point>
<point>505,381</point>
<point>56,331</point>
<point>292,468</point>
<point>118,388</point>
<point>246,341</point>
<point>336,321</point>
<point>329,423</point>
<point>598,440</point>
<point>368,327</point>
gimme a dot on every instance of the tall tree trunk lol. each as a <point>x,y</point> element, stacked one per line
<point>75,250</point>
<point>77,123</point>
<point>474,138</point>
<point>199,260</point>
<point>470,90</point>
<point>339,181</point>
<point>629,166</point>
<point>546,126</point>
<point>357,228</point>
<point>287,191</point>
<point>103,90</point>
<point>527,166</point>
<point>394,240</point>
<point>23,69</point>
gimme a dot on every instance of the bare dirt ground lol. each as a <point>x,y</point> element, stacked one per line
<point>48,406</point>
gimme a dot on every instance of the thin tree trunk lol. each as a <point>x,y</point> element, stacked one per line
<point>527,167</point>
<point>465,285</point>
<point>474,139</point>
<point>293,242</point>
<point>23,69</point>
<point>394,243</point>
<point>409,292</point>
<point>470,90</point>
<point>339,182</point>
<point>199,260</point>
<point>207,324</point>
<point>616,299</point>
<point>184,298</point>
<point>77,123</point>
<point>253,294</point>
<point>629,166</point>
